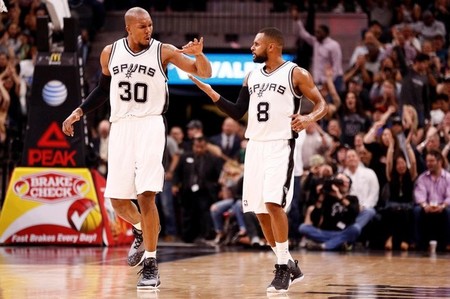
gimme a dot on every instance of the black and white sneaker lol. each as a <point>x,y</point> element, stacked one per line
<point>149,279</point>
<point>281,281</point>
<point>296,273</point>
<point>136,252</point>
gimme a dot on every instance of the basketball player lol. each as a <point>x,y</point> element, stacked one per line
<point>272,96</point>
<point>133,77</point>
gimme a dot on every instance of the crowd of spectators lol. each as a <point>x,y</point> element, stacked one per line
<point>386,131</point>
<point>18,52</point>
<point>374,171</point>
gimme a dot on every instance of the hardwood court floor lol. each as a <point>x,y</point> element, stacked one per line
<point>201,272</point>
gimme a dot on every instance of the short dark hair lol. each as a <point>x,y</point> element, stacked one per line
<point>376,23</point>
<point>442,96</point>
<point>421,57</point>
<point>273,33</point>
<point>396,120</point>
<point>195,124</point>
<point>437,154</point>
<point>325,29</point>
<point>199,138</point>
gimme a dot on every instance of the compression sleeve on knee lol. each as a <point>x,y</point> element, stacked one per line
<point>239,108</point>
<point>98,96</point>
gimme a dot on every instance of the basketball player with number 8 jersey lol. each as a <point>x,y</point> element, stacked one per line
<point>272,97</point>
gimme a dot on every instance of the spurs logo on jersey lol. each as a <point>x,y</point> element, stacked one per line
<point>129,69</point>
<point>270,87</point>
<point>138,82</point>
<point>272,102</point>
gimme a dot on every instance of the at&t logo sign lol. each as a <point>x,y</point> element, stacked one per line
<point>54,93</point>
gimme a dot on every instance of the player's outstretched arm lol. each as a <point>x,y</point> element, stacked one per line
<point>237,109</point>
<point>200,66</point>
<point>214,95</point>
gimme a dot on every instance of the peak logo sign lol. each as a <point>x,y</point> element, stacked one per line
<point>53,137</point>
<point>53,149</point>
<point>51,187</point>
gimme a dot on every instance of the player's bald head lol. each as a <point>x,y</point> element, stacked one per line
<point>134,14</point>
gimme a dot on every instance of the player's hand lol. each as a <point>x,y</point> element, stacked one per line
<point>300,122</point>
<point>67,126</point>
<point>203,86</point>
<point>194,47</point>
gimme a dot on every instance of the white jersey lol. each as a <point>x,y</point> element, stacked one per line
<point>138,82</point>
<point>272,102</point>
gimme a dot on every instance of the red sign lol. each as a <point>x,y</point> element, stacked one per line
<point>51,149</point>
<point>53,137</point>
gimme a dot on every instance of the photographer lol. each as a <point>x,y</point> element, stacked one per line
<point>329,223</point>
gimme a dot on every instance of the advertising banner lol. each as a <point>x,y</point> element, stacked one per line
<point>116,231</point>
<point>58,206</point>
<point>57,89</point>
<point>227,69</point>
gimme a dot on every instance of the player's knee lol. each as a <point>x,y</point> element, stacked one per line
<point>273,207</point>
<point>120,205</point>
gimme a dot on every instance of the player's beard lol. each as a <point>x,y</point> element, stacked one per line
<point>260,58</point>
<point>144,45</point>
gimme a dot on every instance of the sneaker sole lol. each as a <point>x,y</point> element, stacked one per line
<point>137,264</point>
<point>147,288</point>
<point>273,290</point>
<point>298,279</point>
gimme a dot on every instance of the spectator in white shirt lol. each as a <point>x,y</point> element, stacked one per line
<point>429,27</point>
<point>364,185</point>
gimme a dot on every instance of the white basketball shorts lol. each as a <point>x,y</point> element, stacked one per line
<point>268,175</point>
<point>135,157</point>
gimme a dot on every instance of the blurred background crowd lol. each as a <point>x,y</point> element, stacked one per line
<point>387,130</point>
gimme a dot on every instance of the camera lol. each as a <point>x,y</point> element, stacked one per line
<point>329,182</point>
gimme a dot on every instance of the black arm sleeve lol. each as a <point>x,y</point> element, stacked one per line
<point>238,109</point>
<point>98,96</point>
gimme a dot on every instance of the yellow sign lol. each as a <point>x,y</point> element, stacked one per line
<point>51,205</point>
<point>55,58</point>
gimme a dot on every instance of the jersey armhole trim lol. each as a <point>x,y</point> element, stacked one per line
<point>113,50</point>
<point>291,86</point>
<point>159,55</point>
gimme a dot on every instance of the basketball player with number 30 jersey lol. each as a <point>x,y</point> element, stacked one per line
<point>133,77</point>
<point>137,78</point>
<point>272,96</point>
